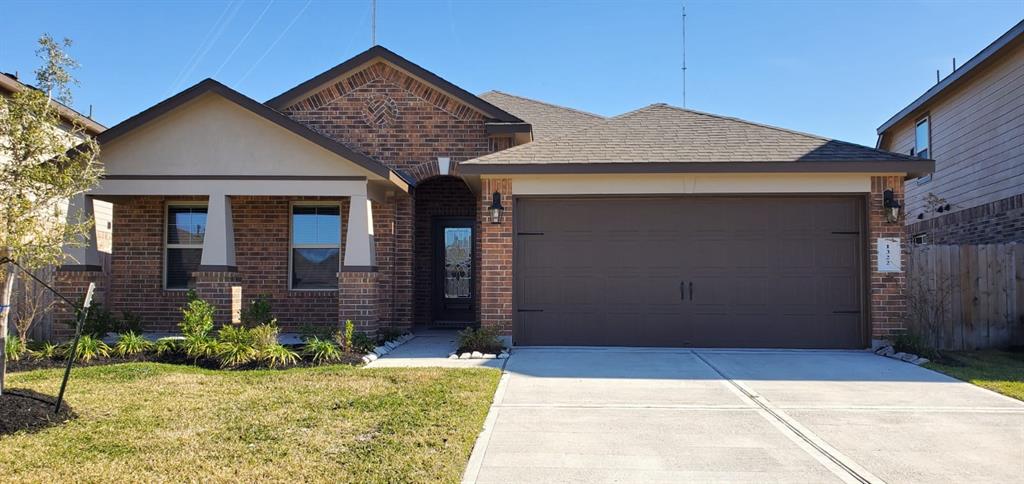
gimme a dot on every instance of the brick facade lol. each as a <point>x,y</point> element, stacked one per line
<point>73,284</point>
<point>887,299</point>
<point>358,300</point>
<point>222,289</point>
<point>261,254</point>
<point>495,257</point>
<point>996,222</point>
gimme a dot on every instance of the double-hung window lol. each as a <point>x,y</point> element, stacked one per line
<point>315,246</point>
<point>183,248</point>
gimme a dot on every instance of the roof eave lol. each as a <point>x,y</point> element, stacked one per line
<point>1016,33</point>
<point>912,168</point>
<point>91,126</point>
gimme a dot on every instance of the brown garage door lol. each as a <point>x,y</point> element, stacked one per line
<point>773,272</point>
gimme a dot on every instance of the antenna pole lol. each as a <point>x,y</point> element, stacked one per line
<point>684,55</point>
<point>373,22</point>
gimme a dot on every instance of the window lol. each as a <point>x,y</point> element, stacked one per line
<point>186,227</point>
<point>922,139</point>
<point>316,246</point>
<point>920,239</point>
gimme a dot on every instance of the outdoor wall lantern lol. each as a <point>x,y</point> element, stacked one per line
<point>496,208</point>
<point>891,206</point>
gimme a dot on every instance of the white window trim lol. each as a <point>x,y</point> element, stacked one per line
<point>167,218</point>
<point>924,119</point>
<point>291,239</point>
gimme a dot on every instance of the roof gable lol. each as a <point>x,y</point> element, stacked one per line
<point>332,75</point>
<point>548,120</point>
<point>210,86</point>
<point>660,137</point>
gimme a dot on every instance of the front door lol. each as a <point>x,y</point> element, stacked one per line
<point>453,270</point>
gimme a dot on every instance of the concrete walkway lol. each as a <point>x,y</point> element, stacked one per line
<point>430,347</point>
<point>663,415</point>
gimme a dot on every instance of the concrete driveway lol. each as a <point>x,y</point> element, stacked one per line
<point>629,415</point>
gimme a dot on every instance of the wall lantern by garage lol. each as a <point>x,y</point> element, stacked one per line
<point>891,206</point>
<point>496,208</point>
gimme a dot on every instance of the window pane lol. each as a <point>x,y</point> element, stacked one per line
<point>181,263</point>
<point>316,225</point>
<point>186,225</point>
<point>458,257</point>
<point>921,139</point>
<point>315,268</point>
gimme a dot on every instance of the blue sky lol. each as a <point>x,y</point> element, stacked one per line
<point>833,68</point>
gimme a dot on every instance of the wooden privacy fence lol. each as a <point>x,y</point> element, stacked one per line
<point>964,297</point>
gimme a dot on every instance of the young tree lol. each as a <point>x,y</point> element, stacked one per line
<point>44,162</point>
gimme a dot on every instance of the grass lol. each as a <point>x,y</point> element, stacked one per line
<point>156,422</point>
<point>1000,371</point>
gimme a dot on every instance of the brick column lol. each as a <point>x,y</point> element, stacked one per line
<point>223,289</point>
<point>357,299</point>
<point>495,258</point>
<point>888,300</point>
<point>73,282</point>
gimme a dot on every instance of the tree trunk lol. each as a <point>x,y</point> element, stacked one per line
<point>5,313</point>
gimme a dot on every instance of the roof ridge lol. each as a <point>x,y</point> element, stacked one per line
<point>777,128</point>
<point>559,106</point>
<point>601,122</point>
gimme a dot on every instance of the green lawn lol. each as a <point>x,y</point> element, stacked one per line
<point>1000,371</point>
<point>156,422</point>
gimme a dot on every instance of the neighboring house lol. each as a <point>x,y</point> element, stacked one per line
<point>381,193</point>
<point>10,84</point>
<point>972,124</point>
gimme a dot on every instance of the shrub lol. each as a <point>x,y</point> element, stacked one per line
<point>388,334</point>
<point>264,336</point>
<point>13,348</point>
<point>234,354</point>
<point>362,343</point>
<point>98,322</point>
<point>199,347</point>
<point>484,340</point>
<point>277,355</point>
<point>130,323</point>
<point>345,338</point>
<point>197,318</point>
<point>47,351</point>
<point>321,350</point>
<point>310,331</point>
<point>914,342</point>
<point>89,348</point>
<point>131,344</point>
<point>257,312</point>
<point>166,346</point>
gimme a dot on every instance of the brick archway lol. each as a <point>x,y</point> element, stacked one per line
<point>434,199</point>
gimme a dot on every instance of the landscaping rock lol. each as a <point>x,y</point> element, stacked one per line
<point>381,350</point>
<point>477,355</point>
<point>453,356</point>
<point>490,356</point>
<point>885,351</point>
<point>390,345</point>
<point>366,359</point>
<point>502,356</point>
<point>897,356</point>
<point>908,357</point>
<point>465,356</point>
<point>920,361</point>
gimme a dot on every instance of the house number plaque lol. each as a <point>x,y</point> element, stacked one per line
<point>889,259</point>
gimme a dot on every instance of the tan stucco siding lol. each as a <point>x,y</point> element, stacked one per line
<point>977,139</point>
<point>213,136</point>
<point>634,184</point>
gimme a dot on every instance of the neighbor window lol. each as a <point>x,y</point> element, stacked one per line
<point>316,246</point>
<point>186,226</point>
<point>922,139</point>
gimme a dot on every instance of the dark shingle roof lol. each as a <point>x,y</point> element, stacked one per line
<point>660,133</point>
<point>548,120</point>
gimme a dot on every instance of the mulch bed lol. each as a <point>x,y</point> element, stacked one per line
<point>27,363</point>
<point>26,410</point>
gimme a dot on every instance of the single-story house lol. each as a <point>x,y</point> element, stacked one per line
<point>380,193</point>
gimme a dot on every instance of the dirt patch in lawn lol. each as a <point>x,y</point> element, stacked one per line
<point>22,409</point>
